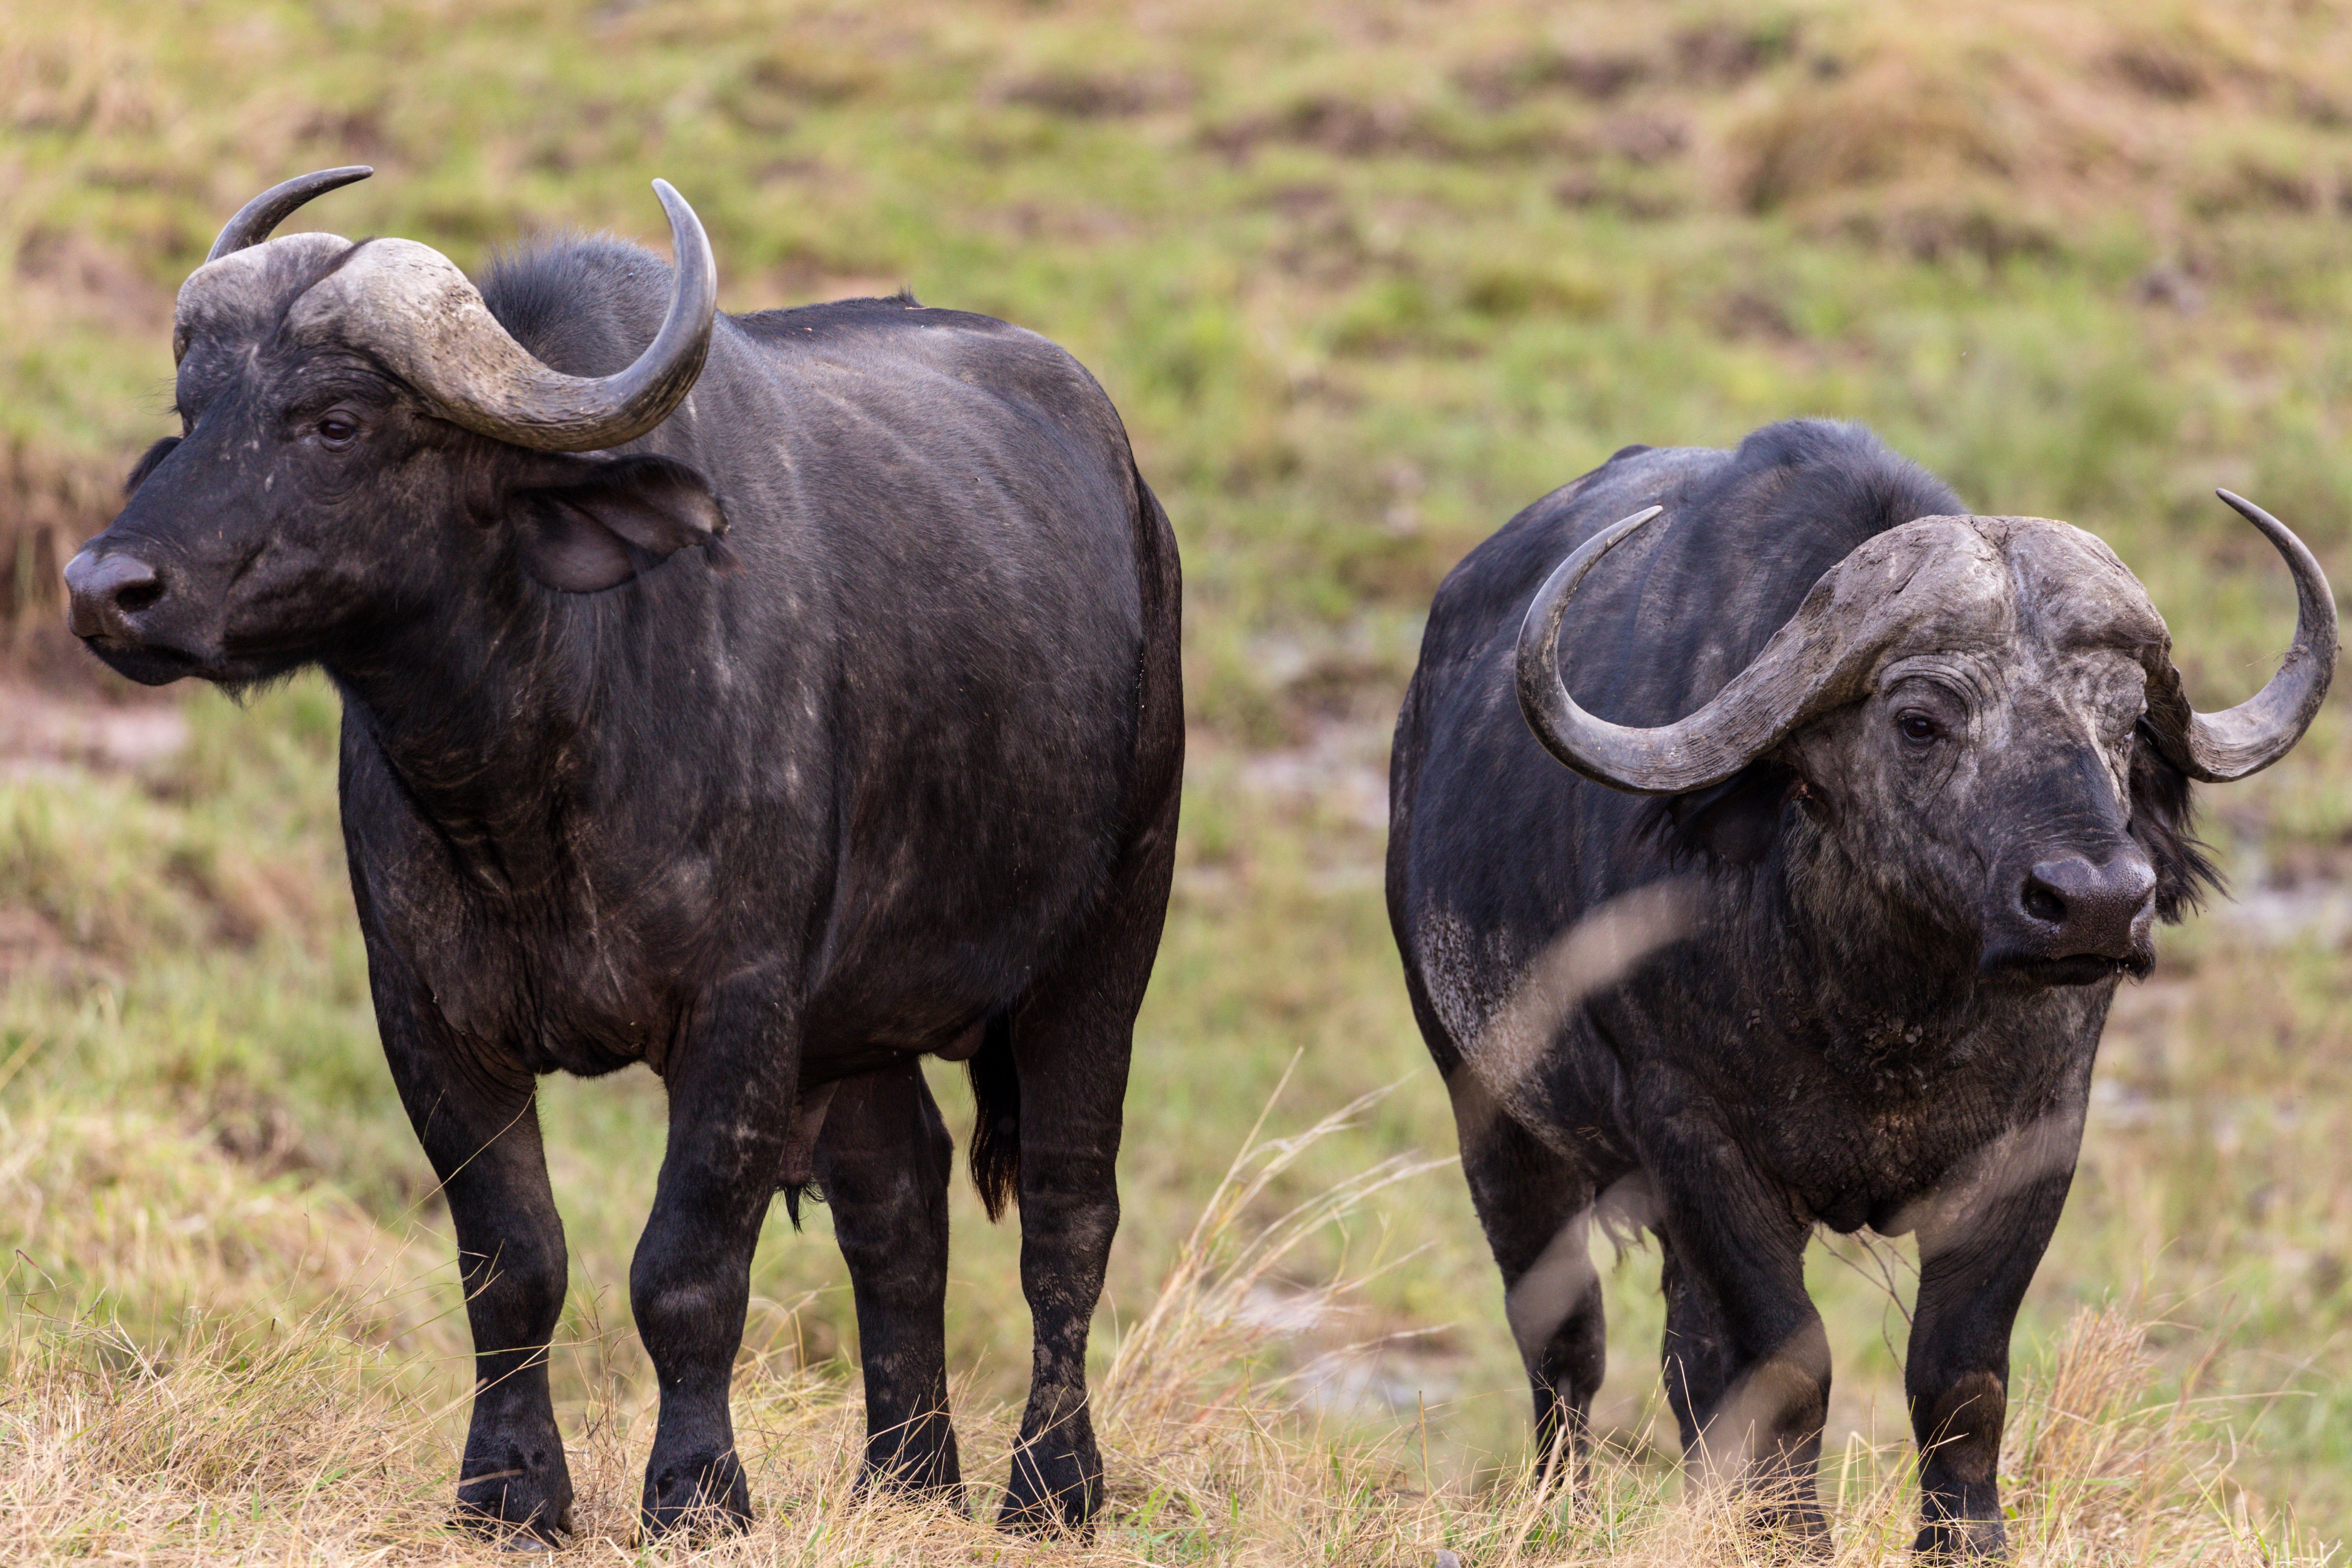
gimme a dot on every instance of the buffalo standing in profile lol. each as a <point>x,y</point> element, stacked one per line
<point>1874,803</point>
<point>890,771</point>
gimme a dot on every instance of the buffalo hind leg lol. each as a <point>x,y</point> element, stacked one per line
<point>1072,1075</point>
<point>1070,1042</point>
<point>1537,1211</point>
<point>730,1085</point>
<point>482,1133</point>
<point>884,1160</point>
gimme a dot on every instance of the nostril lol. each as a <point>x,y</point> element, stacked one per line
<point>107,591</point>
<point>2086,910</point>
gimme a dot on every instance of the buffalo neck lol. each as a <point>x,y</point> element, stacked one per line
<point>480,707</point>
<point>1886,995</point>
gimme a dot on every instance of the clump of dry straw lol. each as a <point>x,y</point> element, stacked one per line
<point>329,1434</point>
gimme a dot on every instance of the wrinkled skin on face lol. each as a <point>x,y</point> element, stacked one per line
<point>313,500</point>
<point>1855,975</point>
<point>1981,790</point>
<point>875,757</point>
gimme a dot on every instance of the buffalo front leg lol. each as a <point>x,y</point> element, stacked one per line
<point>1537,1211</point>
<point>1979,1247</point>
<point>731,1101</point>
<point>479,1127</point>
<point>1736,1298</point>
<point>884,1160</point>
<point>1695,1357</point>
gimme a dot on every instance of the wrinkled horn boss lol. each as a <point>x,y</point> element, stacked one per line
<point>1817,660</point>
<point>412,308</point>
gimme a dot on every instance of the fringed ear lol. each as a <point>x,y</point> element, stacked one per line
<point>1730,824</point>
<point>147,464</point>
<point>2163,821</point>
<point>599,522</point>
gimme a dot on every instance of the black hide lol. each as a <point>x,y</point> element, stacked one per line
<point>835,723</point>
<point>1705,1013</point>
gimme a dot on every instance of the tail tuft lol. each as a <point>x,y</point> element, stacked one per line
<point>793,1192</point>
<point>996,1124</point>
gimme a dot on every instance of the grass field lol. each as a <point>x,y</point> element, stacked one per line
<point>1364,279</point>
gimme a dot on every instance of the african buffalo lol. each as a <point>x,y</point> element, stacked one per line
<point>773,700</point>
<point>1818,924</point>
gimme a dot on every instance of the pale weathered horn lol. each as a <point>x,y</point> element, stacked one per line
<point>1701,750</point>
<point>1819,658</point>
<point>273,206</point>
<point>412,308</point>
<point>2218,747</point>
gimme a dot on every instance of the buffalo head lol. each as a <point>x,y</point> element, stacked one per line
<point>351,414</point>
<point>1982,716</point>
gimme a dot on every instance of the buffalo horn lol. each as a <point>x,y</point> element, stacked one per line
<point>1811,662</point>
<point>254,221</point>
<point>410,307</point>
<point>1668,760</point>
<point>2218,747</point>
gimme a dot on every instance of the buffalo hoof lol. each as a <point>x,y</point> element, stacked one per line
<point>521,1495</point>
<point>1963,1541</point>
<point>927,1474</point>
<point>699,1496</point>
<point>1783,1532</point>
<point>1808,1541</point>
<point>1057,1485</point>
<point>528,1537</point>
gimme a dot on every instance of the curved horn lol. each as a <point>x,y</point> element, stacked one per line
<point>273,206</point>
<point>1614,755</point>
<point>2220,747</point>
<point>412,308</point>
<point>1812,661</point>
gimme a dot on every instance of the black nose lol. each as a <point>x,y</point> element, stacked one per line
<point>2083,910</point>
<point>109,592</point>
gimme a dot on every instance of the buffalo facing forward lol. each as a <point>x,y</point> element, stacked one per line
<point>1872,804</point>
<point>773,699</point>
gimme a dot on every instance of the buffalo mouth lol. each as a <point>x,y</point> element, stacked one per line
<point>160,664</point>
<point>2074,968</point>
<point>149,664</point>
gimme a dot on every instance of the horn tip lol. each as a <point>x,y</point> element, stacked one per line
<point>2242,507</point>
<point>681,212</point>
<point>1624,528</point>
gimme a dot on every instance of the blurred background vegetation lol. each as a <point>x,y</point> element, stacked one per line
<point>1364,276</point>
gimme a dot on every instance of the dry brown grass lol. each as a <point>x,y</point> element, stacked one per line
<point>268,1430</point>
<point>1364,276</point>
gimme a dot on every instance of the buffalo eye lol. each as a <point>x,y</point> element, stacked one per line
<point>1917,728</point>
<point>337,430</point>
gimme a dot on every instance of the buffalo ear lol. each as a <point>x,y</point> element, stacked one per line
<point>148,462</point>
<point>1730,824</point>
<point>2163,821</point>
<point>586,525</point>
